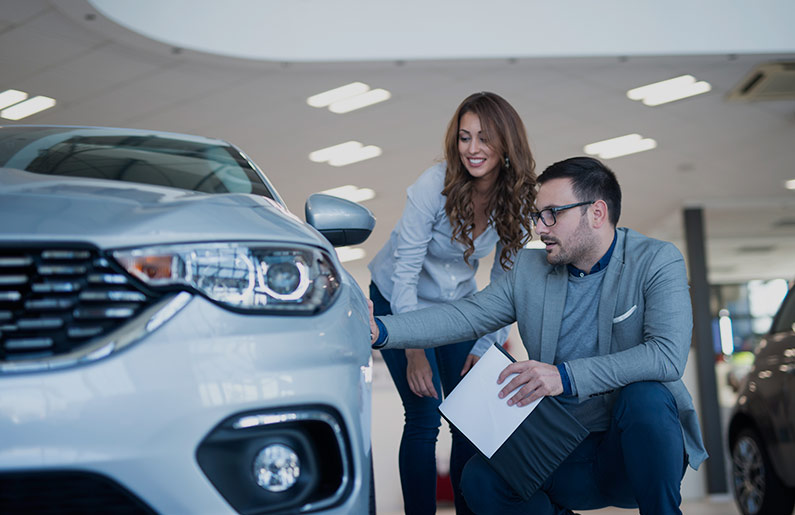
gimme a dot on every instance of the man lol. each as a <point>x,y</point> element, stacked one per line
<point>606,319</point>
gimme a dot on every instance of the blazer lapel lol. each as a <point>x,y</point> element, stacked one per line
<point>609,295</point>
<point>554,301</point>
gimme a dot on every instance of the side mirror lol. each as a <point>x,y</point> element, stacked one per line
<point>341,221</point>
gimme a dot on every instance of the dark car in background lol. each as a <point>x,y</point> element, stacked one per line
<point>762,426</point>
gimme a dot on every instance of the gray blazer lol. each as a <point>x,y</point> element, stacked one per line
<point>645,322</point>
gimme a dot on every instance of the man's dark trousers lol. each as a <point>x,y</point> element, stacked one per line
<point>637,463</point>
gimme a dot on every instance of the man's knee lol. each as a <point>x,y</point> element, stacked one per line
<point>649,403</point>
<point>472,479</point>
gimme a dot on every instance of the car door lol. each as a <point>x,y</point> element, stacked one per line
<point>783,337</point>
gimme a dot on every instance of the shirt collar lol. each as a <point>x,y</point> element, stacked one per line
<point>600,265</point>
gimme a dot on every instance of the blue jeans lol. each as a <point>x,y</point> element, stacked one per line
<point>637,463</point>
<point>417,455</point>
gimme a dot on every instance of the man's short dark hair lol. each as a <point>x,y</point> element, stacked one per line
<point>590,179</point>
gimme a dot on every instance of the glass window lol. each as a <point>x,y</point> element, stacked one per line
<point>207,166</point>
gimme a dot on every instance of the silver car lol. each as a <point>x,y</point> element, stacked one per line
<point>172,339</point>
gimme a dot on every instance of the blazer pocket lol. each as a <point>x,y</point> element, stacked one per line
<point>621,318</point>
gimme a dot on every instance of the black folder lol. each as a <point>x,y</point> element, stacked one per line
<point>537,447</point>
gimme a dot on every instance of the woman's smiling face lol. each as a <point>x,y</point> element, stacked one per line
<point>477,156</point>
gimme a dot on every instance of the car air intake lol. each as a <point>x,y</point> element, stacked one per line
<point>55,299</point>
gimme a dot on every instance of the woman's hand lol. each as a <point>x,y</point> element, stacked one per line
<point>469,363</point>
<point>373,327</point>
<point>419,374</point>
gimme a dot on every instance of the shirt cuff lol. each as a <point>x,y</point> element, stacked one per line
<point>382,335</point>
<point>564,378</point>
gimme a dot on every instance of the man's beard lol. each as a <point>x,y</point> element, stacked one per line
<point>579,245</point>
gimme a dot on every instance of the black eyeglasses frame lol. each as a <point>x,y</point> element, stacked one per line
<point>535,216</point>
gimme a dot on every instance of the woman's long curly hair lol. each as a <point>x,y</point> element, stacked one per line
<point>513,196</point>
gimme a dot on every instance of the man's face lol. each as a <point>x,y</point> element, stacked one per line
<point>571,240</point>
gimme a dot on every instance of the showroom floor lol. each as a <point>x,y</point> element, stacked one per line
<point>722,505</point>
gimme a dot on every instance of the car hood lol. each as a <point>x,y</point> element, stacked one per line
<point>111,214</point>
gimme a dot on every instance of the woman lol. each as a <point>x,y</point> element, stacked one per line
<point>456,213</point>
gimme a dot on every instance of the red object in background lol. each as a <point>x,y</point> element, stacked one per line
<point>444,489</point>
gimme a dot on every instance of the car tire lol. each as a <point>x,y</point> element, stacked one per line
<point>757,489</point>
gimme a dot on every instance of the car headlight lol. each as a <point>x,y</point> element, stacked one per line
<point>247,276</point>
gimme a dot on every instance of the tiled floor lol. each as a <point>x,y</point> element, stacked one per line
<point>722,505</point>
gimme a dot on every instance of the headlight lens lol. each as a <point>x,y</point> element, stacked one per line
<point>248,276</point>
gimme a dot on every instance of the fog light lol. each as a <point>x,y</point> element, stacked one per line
<point>277,468</point>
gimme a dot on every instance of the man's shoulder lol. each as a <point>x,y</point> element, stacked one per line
<point>532,259</point>
<point>640,246</point>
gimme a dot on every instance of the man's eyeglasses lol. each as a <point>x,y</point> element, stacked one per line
<point>549,215</point>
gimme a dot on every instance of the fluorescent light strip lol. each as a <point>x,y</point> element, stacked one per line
<point>621,146</point>
<point>365,99</point>
<point>535,244</point>
<point>11,96</point>
<point>351,192</point>
<point>27,108</point>
<point>790,185</point>
<point>345,153</point>
<point>346,254</point>
<point>334,95</point>
<point>669,90</point>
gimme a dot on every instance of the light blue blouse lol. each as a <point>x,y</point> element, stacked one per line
<point>421,266</point>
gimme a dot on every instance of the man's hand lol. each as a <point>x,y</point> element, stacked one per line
<point>533,380</point>
<point>373,326</point>
<point>419,374</point>
<point>469,363</point>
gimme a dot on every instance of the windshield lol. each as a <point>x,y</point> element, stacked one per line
<point>195,164</point>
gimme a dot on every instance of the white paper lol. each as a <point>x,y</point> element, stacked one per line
<point>475,408</point>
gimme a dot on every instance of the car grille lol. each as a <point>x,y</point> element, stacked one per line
<point>66,492</point>
<point>54,300</point>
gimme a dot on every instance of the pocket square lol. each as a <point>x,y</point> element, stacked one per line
<point>621,318</point>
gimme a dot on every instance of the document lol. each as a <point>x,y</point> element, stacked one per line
<point>475,408</point>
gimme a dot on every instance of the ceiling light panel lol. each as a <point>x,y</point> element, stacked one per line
<point>347,105</point>
<point>669,90</point>
<point>351,192</point>
<point>346,254</point>
<point>333,95</point>
<point>11,96</point>
<point>345,153</point>
<point>349,97</point>
<point>621,146</point>
<point>27,108</point>
<point>790,185</point>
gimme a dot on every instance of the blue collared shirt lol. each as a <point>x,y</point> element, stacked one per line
<point>573,270</point>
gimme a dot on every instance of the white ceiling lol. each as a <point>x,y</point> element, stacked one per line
<point>730,158</point>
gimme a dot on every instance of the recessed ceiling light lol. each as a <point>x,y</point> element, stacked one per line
<point>669,90</point>
<point>27,108</point>
<point>346,254</point>
<point>333,95</point>
<point>349,97</point>
<point>11,96</point>
<point>790,184</point>
<point>351,192</point>
<point>365,99</point>
<point>345,153</point>
<point>535,244</point>
<point>622,146</point>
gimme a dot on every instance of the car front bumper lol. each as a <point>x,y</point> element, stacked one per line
<point>139,416</point>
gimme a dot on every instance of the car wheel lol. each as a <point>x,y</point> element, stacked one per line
<point>757,489</point>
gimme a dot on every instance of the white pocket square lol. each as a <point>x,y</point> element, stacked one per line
<point>621,318</point>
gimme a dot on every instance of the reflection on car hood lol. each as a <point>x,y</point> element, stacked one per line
<point>110,214</point>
